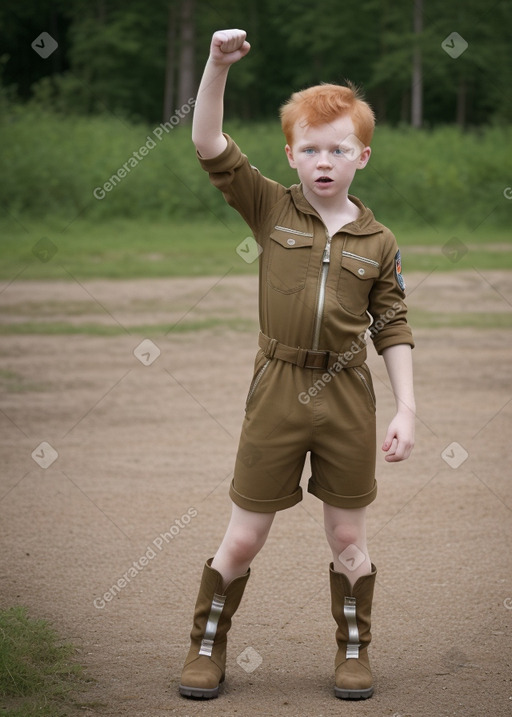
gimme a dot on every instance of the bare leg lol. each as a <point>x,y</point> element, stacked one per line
<point>345,530</point>
<point>246,534</point>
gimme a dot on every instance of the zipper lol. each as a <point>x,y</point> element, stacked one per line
<point>293,231</point>
<point>326,259</point>
<point>365,384</point>
<point>256,381</point>
<point>361,258</point>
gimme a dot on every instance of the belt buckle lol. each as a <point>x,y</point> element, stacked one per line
<point>324,354</point>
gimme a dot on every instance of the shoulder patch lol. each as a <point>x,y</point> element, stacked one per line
<point>398,271</point>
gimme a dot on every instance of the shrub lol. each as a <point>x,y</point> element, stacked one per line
<point>53,164</point>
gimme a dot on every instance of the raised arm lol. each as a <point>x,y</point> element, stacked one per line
<point>227,47</point>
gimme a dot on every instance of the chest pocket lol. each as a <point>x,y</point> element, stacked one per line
<point>290,254</point>
<point>357,275</point>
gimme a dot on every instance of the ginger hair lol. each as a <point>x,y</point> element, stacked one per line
<point>324,103</point>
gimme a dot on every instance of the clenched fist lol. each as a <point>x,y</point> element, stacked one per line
<point>229,46</point>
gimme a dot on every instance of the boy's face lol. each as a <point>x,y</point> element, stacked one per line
<point>326,158</point>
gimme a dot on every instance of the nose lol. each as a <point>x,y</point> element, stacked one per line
<point>324,160</point>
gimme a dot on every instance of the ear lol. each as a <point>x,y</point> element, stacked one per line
<point>364,158</point>
<point>289,154</point>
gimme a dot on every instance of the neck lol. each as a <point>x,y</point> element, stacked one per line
<point>339,212</point>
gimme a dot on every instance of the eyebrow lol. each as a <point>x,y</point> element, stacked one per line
<point>334,145</point>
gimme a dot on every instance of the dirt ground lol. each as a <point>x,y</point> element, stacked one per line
<point>108,540</point>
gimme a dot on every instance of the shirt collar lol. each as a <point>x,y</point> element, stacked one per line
<point>365,224</point>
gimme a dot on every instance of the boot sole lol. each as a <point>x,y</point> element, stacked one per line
<point>198,693</point>
<point>353,694</point>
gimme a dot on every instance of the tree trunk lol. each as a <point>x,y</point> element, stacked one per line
<point>187,85</point>
<point>170,63</point>
<point>417,69</point>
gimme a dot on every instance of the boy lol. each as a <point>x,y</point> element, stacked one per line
<point>326,267</point>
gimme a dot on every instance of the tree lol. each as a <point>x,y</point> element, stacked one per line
<point>140,60</point>
<point>417,70</point>
<point>170,62</point>
<point>187,82</point>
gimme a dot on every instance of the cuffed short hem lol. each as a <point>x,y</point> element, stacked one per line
<point>341,501</point>
<point>264,506</point>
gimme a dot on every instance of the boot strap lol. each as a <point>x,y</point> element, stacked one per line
<point>212,625</point>
<point>353,643</point>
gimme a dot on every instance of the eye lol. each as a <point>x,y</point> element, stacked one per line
<point>309,150</point>
<point>339,151</point>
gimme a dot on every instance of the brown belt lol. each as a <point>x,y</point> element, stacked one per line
<point>305,358</point>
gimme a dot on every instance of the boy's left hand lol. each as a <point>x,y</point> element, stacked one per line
<point>399,440</point>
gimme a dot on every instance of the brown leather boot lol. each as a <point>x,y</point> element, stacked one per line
<point>351,608</point>
<point>205,665</point>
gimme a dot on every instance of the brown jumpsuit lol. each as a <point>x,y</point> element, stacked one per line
<point>312,390</point>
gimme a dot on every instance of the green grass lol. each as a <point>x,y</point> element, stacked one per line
<point>137,249</point>
<point>418,319</point>
<point>62,328</point>
<point>121,249</point>
<point>37,671</point>
<point>13,382</point>
<point>130,249</point>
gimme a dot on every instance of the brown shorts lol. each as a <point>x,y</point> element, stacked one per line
<point>291,411</point>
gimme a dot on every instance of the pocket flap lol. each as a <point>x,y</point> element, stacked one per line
<point>361,267</point>
<point>290,239</point>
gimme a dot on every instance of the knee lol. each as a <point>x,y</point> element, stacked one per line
<point>342,536</point>
<point>245,543</point>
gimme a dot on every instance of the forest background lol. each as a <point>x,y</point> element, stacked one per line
<point>96,100</point>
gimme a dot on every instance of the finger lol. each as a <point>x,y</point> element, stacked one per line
<point>231,40</point>
<point>401,452</point>
<point>388,440</point>
<point>390,446</point>
<point>245,48</point>
<point>393,454</point>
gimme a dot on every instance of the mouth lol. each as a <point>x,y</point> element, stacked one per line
<point>323,180</point>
